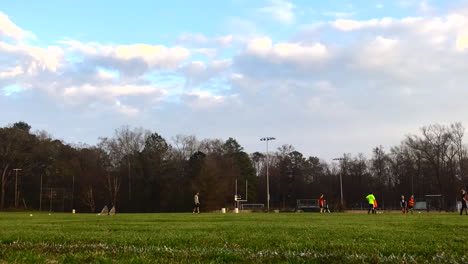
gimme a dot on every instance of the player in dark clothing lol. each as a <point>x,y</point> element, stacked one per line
<point>325,206</point>
<point>464,198</point>
<point>403,204</point>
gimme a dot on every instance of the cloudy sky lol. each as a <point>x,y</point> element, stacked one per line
<point>327,77</point>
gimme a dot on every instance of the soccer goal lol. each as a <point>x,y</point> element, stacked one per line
<point>434,202</point>
<point>253,207</point>
<point>54,199</point>
<point>307,205</point>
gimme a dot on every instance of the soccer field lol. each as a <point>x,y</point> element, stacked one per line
<point>215,238</point>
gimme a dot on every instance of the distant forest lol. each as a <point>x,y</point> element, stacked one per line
<point>138,170</point>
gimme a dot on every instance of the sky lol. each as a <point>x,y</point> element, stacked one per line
<point>327,77</point>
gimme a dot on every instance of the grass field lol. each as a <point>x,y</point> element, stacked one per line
<point>215,238</point>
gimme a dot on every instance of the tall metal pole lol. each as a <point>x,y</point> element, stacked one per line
<point>16,188</point>
<point>341,182</point>
<point>73,192</point>
<point>267,170</point>
<point>129,181</point>
<point>412,183</point>
<point>236,197</point>
<point>40,196</point>
<point>341,189</point>
<point>268,178</point>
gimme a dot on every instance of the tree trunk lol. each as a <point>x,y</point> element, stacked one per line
<point>4,181</point>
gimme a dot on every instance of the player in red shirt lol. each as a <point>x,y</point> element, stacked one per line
<point>321,203</point>
<point>411,203</point>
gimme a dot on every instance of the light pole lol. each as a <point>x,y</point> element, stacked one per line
<point>16,187</point>
<point>341,182</point>
<point>266,139</point>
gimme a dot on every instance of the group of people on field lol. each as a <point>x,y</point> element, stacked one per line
<point>404,204</point>
<point>407,205</point>
<point>323,204</point>
<point>372,203</point>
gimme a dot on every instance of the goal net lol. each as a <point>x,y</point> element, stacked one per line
<point>434,202</point>
<point>253,207</point>
<point>55,199</point>
<point>307,205</point>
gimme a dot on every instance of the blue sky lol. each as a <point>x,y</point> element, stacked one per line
<point>146,21</point>
<point>325,76</point>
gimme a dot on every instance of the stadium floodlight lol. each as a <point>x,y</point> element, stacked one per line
<point>341,182</point>
<point>266,139</point>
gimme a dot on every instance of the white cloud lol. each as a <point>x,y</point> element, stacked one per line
<point>403,72</point>
<point>125,109</point>
<point>203,99</point>
<point>202,41</point>
<point>106,74</point>
<point>338,14</point>
<point>33,59</point>
<point>10,30</point>
<point>112,90</point>
<point>198,72</point>
<point>226,40</point>
<point>135,59</point>
<point>352,25</point>
<point>287,52</point>
<point>462,41</point>
<point>280,10</point>
<point>85,74</point>
<point>12,72</point>
<point>194,39</point>
<point>426,9</point>
<point>160,56</point>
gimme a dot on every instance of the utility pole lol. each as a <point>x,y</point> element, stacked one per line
<point>16,187</point>
<point>73,191</point>
<point>40,196</point>
<point>267,170</point>
<point>341,182</point>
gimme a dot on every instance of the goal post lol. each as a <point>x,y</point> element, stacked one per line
<point>434,202</point>
<point>307,205</point>
<point>253,207</point>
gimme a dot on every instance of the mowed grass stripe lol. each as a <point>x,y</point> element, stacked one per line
<point>256,237</point>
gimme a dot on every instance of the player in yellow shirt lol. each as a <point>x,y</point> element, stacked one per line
<point>371,198</point>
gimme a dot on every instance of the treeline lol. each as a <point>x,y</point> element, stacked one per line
<point>137,170</point>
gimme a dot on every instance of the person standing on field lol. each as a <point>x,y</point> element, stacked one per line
<point>371,198</point>
<point>321,202</point>
<point>464,199</point>
<point>403,204</point>
<point>196,202</point>
<point>325,206</point>
<point>411,203</point>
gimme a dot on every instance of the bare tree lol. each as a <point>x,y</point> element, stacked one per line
<point>89,200</point>
<point>185,146</point>
<point>458,131</point>
<point>15,145</point>
<point>120,149</point>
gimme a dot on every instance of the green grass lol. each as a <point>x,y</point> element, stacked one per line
<point>218,238</point>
